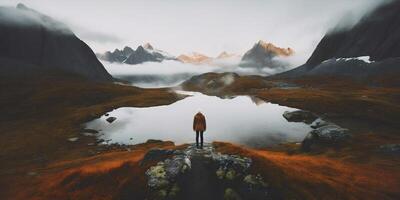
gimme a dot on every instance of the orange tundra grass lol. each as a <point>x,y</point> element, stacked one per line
<point>318,177</point>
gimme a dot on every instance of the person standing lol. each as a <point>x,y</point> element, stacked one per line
<point>199,126</point>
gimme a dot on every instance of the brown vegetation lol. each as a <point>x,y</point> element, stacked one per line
<point>112,175</point>
<point>40,113</point>
<point>319,177</point>
<point>339,98</point>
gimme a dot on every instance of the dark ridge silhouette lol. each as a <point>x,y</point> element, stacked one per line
<point>32,42</point>
<point>376,35</point>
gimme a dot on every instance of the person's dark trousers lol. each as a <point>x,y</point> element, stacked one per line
<point>197,138</point>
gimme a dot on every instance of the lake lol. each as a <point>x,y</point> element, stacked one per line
<point>242,119</point>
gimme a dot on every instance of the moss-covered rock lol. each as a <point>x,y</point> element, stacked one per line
<point>230,175</point>
<point>220,173</point>
<point>231,194</point>
<point>255,181</point>
<point>157,176</point>
<point>174,191</point>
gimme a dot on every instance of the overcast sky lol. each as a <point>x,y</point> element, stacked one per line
<point>206,26</point>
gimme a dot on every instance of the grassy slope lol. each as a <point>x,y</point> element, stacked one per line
<point>319,177</point>
<point>111,175</point>
<point>40,113</point>
<point>326,96</point>
<point>119,175</point>
<point>340,97</point>
<point>356,170</point>
<point>371,113</point>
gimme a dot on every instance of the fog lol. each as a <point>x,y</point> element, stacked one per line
<point>241,120</point>
<point>27,17</point>
<point>171,73</point>
<point>208,26</point>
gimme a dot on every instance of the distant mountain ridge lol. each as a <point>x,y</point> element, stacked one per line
<point>194,58</point>
<point>198,58</point>
<point>31,42</point>
<point>262,54</point>
<point>143,53</point>
<point>224,55</point>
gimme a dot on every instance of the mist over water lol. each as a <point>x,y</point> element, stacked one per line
<point>242,120</point>
<point>172,73</point>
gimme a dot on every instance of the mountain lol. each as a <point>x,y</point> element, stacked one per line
<point>263,54</point>
<point>370,48</point>
<point>194,58</point>
<point>226,55</point>
<point>198,58</point>
<point>223,55</point>
<point>32,42</point>
<point>143,53</point>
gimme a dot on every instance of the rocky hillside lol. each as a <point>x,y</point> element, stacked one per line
<point>32,42</point>
<point>370,48</point>
<point>224,84</point>
<point>262,54</point>
<point>143,53</point>
<point>376,35</point>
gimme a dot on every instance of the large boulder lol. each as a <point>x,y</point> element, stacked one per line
<point>328,134</point>
<point>393,149</point>
<point>111,119</point>
<point>300,116</point>
<point>162,177</point>
<point>156,154</point>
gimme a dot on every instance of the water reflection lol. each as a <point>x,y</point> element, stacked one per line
<point>242,119</point>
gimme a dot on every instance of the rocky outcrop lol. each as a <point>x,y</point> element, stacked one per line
<point>156,154</point>
<point>391,149</point>
<point>263,54</point>
<point>163,176</point>
<point>376,36</point>
<point>111,119</point>
<point>225,85</point>
<point>212,82</point>
<point>145,53</point>
<point>32,42</point>
<point>225,176</point>
<point>300,116</point>
<point>325,133</point>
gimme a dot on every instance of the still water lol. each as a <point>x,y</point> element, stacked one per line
<point>242,119</point>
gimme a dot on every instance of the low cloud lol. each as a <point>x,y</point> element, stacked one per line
<point>172,73</point>
<point>24,16</point>
<point>350,18</point>
<point>95,36</point>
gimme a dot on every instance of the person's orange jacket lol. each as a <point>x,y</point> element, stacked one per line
<point>199,122</point>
